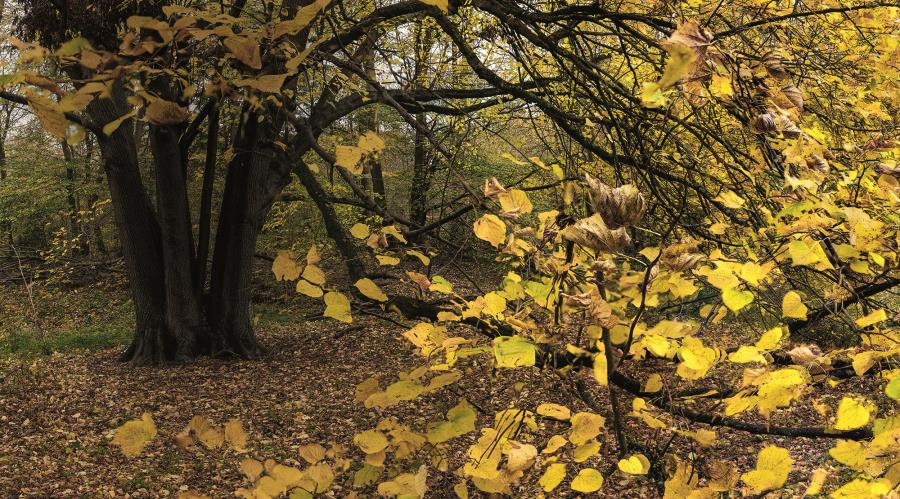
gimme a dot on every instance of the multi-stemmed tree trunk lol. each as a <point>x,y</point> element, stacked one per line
<point>176,318</point>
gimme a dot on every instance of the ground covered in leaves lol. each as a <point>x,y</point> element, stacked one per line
<point>58,413</point>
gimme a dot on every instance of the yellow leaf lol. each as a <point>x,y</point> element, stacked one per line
<point>359,231</point>
<point>745,354</point>
<point>653,384</point>
<point>657,345</point>
<point>682,482</point>
<point>519,456</point>
<point>421,256</point>
<point>720,86</point>
<point>554,411</point>
<point>513,351</point>
<point>808,252</point>
<point>770,339</point>
<point>773,464</point>
<point>491,229</point>
<point>554,475</point>
<point>754,273</point>
<point>873,317</point>
<point>349,157</point>
<point>730,199</point>
<point>792,306</point>
<point>366,475</point>
<point>514,202</point>
<point>460,420</point>
<point>284,267</point>
<point>267,83</point>
<point>441,285</point>
<point>585,451</point>
<point>703,437</point>
<point>312,256</point>
<point>285,476</point>
<point>132,436</point>
<point>387,260</point>
<point>312,453</point>
<point>235,435</point>
<point>337,306</point>
<point>850,453</point>
<point>366,388</point>
<point>680,59</point>
<point>735,299</point>
<point>114,125</point>
<point>864,361</point>
<point>585,426</point>
<point>587,480</point>
<point>314,275</point>
<point>406,485</point>
<point>251,468</point>
<point>370,290</point>
<point>441,4</point>
<point>165,113</point>
<point>211,438</point>
<point>863,489</point>
<point>370,143</point>
<point>245,50</point>
<point>48,113</point>
<point>851,414</point>
<point>371,441</point>
<point>461,491</point>
<point>304,16</point>
<point>392,230</point>
<point>309,289</point>
<point>637,464</point>
<point>554,444</point>
<point>601,369</point>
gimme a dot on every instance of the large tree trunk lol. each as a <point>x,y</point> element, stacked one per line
<point>183,315</point>
<point>157,253</point>
<point>139,236</point>
<point>255,177</point>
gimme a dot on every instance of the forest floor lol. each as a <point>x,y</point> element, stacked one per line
<point>58,413</point>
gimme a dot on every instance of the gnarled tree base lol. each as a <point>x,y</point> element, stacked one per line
<point>156,345</point>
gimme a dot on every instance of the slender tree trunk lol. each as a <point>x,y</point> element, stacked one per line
<point>421,180</point>
<point>209,177</point>
<point>6,226</point>
<point>97,244</point>
<point>335,230</point>
<point>72,200</point>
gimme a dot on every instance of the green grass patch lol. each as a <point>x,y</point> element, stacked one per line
<point>86,318</point>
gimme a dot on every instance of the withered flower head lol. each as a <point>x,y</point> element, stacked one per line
<point>492,187</point>
<point>619,206</point>
<point>592,233</point>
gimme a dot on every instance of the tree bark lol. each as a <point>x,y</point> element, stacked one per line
<point>209,176</point>
<point>255,177</point>
<point>421,180</point>
<point>183,315</point>
<point>333,226</point>
<point>75,231</point>
<point>139,235</point>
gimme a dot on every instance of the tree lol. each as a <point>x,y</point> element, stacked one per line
<point>251,68</point>
<point>739,164</point>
